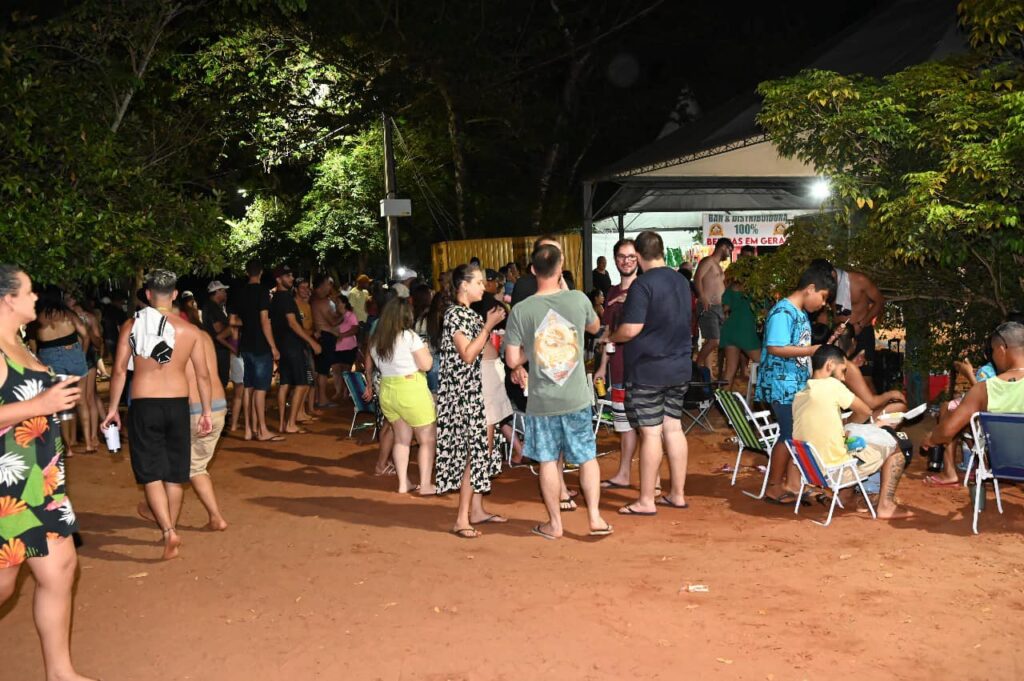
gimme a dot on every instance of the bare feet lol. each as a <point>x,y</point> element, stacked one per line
<point>171,543</point>
<point>144,511</point>
<point>217,524</point>
<point>295,430</point>
<point>893,512</point>
<point>70,676</point>
<point>489,518</point>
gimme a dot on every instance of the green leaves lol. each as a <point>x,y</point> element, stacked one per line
<point>928,170</point>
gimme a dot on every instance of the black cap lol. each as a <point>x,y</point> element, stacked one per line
<point>282,270</point>
<point>491,274</point>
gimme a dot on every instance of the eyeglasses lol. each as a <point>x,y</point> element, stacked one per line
<point>627,258</point>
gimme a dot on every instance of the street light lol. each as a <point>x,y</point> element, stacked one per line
<point>821,189</point>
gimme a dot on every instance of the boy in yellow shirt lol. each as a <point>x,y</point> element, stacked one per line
<point>817,418</point>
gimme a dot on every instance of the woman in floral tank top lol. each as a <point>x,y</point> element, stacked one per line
<point>36,517</point>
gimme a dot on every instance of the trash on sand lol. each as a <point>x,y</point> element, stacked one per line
<point>137,575</point>
<point>698,588</point>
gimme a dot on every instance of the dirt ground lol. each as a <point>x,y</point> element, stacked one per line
<point>326,573</point>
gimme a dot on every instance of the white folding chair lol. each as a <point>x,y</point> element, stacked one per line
<point>599,404</point>
<point>813,473</point>
<point>752,368</point>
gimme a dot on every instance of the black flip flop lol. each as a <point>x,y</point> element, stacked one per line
<point>541,533</point>
<point>664,501</point>
<point>785,499</point>
<point>629,510</point>
<point>608,484</point>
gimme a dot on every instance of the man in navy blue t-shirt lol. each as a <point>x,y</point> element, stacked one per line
<point>655,331</point>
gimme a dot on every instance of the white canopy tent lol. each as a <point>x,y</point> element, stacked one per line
<point>725,163</point>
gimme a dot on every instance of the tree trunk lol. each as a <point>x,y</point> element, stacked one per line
<point>570,96</point>
<point>458,155</point>
<point>140,61</point>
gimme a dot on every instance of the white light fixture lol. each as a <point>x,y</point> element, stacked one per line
<point>243,193</point>
<point>821,189</point>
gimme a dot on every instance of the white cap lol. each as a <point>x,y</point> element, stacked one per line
<point>401,290</point>
<point>215,285</point>
<point>403,273</point>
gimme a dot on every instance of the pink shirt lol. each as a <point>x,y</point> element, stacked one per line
<point>348,322</point>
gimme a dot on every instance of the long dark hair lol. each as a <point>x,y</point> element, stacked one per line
<point>395,318</point>
<point>435,316</point>
<point>461,274</point>
<point>9,284</point>
<point>51,303</point>
<point>421,298</point>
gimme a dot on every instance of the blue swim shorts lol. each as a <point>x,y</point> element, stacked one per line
<point>569,434</point>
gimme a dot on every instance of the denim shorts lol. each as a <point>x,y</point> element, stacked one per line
<point>571,435</point>
<point>65,359</point>
<point>259,367</point>
<point>784,416</point>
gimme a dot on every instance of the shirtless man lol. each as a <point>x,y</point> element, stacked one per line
<point>203,446</point>
<point>158,418</point>
<point>325,327</point>
<point>709,280</point>
<point>858,302</point>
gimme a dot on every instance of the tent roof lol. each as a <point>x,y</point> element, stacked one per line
<point>907,32</point>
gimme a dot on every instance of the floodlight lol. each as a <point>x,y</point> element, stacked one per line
<point>821,189</point>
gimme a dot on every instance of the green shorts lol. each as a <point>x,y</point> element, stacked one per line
<point>407,398</point>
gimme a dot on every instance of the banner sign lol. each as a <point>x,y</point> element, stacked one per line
<point>760,229</point>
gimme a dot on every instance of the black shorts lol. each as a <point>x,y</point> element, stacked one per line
<point>160,439</point>
<point>292,366</point>
<point>346,358</point>
<point>650,405</point>
<point>326,359</point>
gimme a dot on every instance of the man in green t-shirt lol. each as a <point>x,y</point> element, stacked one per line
<point>546,330</point>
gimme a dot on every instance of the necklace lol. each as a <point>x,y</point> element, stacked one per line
<point>162,309</point>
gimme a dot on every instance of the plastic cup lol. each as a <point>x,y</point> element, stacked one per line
<point>70,413</point>
<point>113,437</point>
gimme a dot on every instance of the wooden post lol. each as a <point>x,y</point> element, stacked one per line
<point>588,236</point>
<point>389,188</point>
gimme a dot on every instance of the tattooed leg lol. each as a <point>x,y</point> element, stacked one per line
<point>892,471</point>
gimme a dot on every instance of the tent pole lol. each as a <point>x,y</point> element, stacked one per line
<point>588,236</point>
<point>622,227</point>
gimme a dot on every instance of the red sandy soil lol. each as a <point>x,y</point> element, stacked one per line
<point>326,573</point>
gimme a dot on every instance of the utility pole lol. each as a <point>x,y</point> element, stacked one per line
<point>389,188</point>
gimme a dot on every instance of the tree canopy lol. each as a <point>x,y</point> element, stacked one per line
<point>197,133</point>
<point>927,171</point>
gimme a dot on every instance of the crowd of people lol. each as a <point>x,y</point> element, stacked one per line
<point>452,371</point>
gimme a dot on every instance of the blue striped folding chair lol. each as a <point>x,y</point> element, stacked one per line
<point>356,384</point>
<point>815,474</point>
<point>997,454</point>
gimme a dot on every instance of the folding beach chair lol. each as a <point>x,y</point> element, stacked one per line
<point>997,454</point>
<point>700,397</point>
<point>814,474</point>
<point>518,428</point>
<point>599,404</point>
<point>754,431</point>
<point>356,384</point>
<point>752,368</point>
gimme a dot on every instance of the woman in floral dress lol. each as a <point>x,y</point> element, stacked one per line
<point>463,459</point>
<point>36,517</point>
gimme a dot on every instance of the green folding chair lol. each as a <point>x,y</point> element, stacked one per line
<point>755,431</point>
